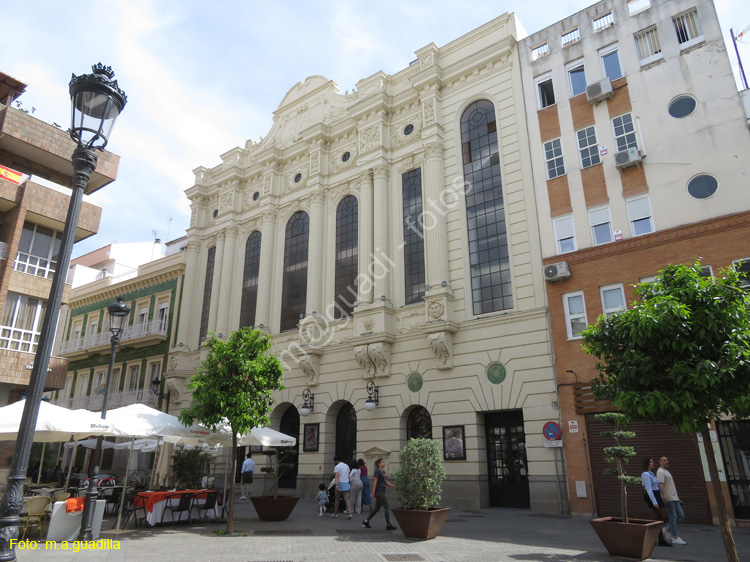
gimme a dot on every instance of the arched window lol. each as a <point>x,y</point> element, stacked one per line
<point>294,284</point>
<point>250,280</point>
<point>419,424</point>
<point>347,255</point>
<point>491,288</point>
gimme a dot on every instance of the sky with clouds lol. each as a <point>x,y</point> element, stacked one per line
<point>204,77</point>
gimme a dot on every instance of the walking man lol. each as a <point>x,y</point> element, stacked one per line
<point>341,475</point>
<point>248,467</point>
<point>674,505</point>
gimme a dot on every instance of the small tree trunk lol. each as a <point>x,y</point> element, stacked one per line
<point>230,510</point>
<point>726,532</point>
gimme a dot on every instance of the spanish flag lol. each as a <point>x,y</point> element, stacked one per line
<point>11,175</point>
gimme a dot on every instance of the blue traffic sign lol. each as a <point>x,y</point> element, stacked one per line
<point>552,431</point>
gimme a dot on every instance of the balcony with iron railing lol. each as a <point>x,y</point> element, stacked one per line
<point>137,335</point>
<point>116,400</point>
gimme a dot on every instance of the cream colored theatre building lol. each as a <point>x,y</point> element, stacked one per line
<point>389,236</point>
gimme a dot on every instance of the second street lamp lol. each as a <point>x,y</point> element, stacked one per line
<point>118,314</point>
<point>96,101</point>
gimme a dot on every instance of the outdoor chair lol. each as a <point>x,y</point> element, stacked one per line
<point>35,513</point>
<point>176,504</point>
<point>133,503</point>
<point>112,497</point>
<point>205,504</point>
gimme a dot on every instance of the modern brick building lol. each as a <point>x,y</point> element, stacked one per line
<point>640,146</point>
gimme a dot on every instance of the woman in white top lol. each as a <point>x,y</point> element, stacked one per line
<point>356,482</point>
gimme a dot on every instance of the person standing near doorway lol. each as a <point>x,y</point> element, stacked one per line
<point>674,505</point>
<point>652,496</point>
<point>248,467</point>
<point>341,477</point>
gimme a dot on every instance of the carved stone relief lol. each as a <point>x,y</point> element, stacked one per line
<point>380,355</point>
<point>310,365</point>
<point>398,137</point>
<point>369,138</point>
<point>441,344</point>
<point>428,112</point>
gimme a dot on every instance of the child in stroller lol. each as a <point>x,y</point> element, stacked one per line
<point>332,498</point>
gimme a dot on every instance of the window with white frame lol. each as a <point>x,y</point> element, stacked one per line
<point>647,44</point>
<point>82,385</point>
<point>163,316</point>
<point>38,250</point>
<point>639,211</point>
<point>21,322</point>
<point>545,91</point>
<point>570,37</point>
<point>613,299</point>
<point>154,370</point>
<point>610,58</point>
<point>588,148</point>
<point>601,225</point>
<point>539,52</point>
<point>565,237</point>
<point>743,267</point>
<point>575,314</point>
<point>635,6</point>
<point>134,376</point>
<point>65,392</point>
<point>553,156</point>
<point>707,271</point>
<point>688,28</point>
<point>603,22</point>
<point>624,130</point>
<point>576,78</point>
<point>141,320</point>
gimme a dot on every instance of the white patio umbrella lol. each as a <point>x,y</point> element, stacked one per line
<point>54,423</point>
<point>139,420</point>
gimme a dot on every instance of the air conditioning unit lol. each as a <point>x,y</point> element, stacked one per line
<point>556,271</point>
<point>599,91</point>
<point>626,158</point>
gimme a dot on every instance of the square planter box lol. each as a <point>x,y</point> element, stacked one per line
<point>635,539</point>
<point>421,524</point>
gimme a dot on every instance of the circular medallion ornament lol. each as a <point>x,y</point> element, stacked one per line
<point>414,382</point>
<point>496,373</point>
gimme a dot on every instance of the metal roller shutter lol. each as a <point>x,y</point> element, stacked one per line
<point>652,440</point>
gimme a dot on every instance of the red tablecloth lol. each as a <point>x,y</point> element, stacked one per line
<point>151,498</point>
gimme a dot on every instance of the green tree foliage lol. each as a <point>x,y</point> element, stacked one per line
<point>189,466</point>
<point>680,356</point>
<point>419,480</point>
<point>234,384</point>
<point>619,455</point>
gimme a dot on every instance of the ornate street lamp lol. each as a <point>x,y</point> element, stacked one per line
<point>96,101</point>
<point>308,405</point>
<point>372,397</point>
<point>118,314</point>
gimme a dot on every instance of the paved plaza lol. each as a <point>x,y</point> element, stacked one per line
<point>489,535</point>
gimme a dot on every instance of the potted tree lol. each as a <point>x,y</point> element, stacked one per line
<point>234,385</point>
<point>275,508</point>
<point>419,483</point>
<point>622,536</point>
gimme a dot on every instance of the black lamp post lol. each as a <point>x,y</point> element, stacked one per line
<point>96,101</point>
<point>118,313</point>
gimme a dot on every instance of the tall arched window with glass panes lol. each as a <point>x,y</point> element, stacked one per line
<point>294,283</point>
<point>347,256</point>
<point>489,261</point>
<point>249,301</point>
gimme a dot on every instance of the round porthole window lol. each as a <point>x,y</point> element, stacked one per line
<point>256,195</point>
<point>702,186</point>
<point>297,178</point>
<point>682,106</point>
<point>345,156</point>
<point>496,373</point>
<point>414,382</point>
<point>409,129</point>
<point>216,213</point>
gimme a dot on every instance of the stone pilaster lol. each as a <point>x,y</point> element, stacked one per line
<point>225,282</point>
<point>266,294</point>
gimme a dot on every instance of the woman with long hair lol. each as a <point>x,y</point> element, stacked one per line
<point>366,494</point>
<point>379,483</point>
<point>652,496</point>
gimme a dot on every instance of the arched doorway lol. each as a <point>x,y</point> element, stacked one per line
<point>346,433</point>
<point>290,425</point>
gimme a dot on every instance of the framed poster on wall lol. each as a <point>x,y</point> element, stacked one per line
<point>454,445</point>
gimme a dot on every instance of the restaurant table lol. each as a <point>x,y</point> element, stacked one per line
<point>66,526</point>
<point>155,503</point>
